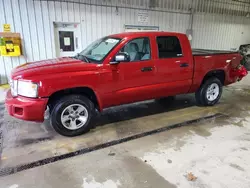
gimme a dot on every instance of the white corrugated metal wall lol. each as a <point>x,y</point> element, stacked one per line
<point>217,24</point>
<point>221,24</point>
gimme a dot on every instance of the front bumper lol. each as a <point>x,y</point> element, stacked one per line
<point>26,108</point>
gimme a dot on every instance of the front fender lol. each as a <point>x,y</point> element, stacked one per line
<point>50,84</point>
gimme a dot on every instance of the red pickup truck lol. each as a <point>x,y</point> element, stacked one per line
<point>118,69</point>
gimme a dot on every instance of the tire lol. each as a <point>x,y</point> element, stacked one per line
<point>206,98</point>
<point>67,108</point>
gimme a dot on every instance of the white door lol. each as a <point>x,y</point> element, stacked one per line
<point>67,38</point>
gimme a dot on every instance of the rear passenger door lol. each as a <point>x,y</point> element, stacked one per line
<point>174,71</point>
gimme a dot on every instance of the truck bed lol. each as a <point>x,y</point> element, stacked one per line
<point>204,52</point>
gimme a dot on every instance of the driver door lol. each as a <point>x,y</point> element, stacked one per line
<point>135,78</point>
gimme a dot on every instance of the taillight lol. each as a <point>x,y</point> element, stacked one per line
<point>239,72</point>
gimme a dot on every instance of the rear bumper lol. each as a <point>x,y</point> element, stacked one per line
<point>26,108</point>
<point>240,73</point>
<point>236,75</point>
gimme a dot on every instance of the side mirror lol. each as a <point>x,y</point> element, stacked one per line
<point>120,57</point>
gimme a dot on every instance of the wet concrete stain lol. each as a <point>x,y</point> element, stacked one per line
<point>142,109</point>
<point>240,123</point>
<point>63,175</point>
<point>243,148</point>
<point>2,107</point>
<point>246,90</point>
<point>18,133</point>
<point>28,141</point>
<point>11,170</point>
<point>236,167</point>
<point>143,175</point>
<point>116,114</point>
<point>205,172</point>
<point>68,148</point>
<point>179,144</point>
<point>46,127</point>
<point>129,129</point>
<point>246,139</point>
<point>201,131</point>
<point>129,112</point>
<point>111,154</point>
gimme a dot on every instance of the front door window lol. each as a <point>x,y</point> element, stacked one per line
<point>138,49</point>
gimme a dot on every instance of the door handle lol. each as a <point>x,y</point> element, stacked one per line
<point>184,65</point>
<point>146,69</point>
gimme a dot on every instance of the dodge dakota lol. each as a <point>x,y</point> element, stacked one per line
<point>118,69</point>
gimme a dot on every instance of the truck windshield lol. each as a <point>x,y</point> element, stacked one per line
<point>99,49</point>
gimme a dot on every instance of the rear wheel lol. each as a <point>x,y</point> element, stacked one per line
<point>72,115</point>
<point>210,92</point>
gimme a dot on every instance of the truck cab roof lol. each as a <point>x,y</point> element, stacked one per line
<point>147,33</point>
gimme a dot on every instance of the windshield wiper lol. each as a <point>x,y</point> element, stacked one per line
<point>85,58</point>
<point>81,57</point>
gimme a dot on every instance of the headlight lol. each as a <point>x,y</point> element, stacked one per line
<point>27,89</point>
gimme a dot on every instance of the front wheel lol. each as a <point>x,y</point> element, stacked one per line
<point>209,93</point>
<point>72,115</point>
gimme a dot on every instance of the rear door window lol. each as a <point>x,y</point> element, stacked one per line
<point>169,47</point>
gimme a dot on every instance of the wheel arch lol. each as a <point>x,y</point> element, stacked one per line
<point>220,74</point>
<point>86,91</point>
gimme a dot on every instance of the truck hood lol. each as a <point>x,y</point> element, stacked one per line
<point>52,66</point>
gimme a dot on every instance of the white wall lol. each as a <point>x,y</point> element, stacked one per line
<point>214,31</point>
<point>34,20</point>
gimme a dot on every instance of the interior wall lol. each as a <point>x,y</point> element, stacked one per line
<point>33,19</point>
<point>222,32</point>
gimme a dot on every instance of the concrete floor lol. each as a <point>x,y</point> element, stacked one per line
<point>216,151</point>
